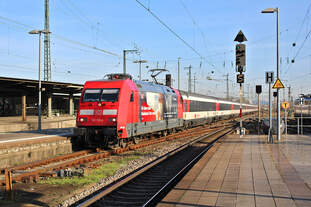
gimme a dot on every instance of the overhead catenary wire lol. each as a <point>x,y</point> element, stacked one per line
<point>81,15</point>
<point>169,28</point>
<point>25,68</point>
<point>85,45</point>
<point>75,12</point>
<point>75,42</point>
<point>303,21</point>
<point>62,38</point>
<point>194,23</point>
<point>296,39</point>
<point>303,43</point>
<point>298,51</point>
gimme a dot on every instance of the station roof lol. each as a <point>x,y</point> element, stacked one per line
<point>19,87</point>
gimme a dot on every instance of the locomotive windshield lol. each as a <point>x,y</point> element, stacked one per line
<point>105,95</point>
<point>110,95</point>
<point>91,95</point>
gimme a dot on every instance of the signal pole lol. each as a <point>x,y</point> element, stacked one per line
<point>47,57</point>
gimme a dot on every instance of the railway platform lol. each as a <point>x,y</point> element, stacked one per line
<point>15,123</point>
<point>248,172</point>
<point>19,143</point>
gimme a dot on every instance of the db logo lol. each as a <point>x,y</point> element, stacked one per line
<point>98,112</point>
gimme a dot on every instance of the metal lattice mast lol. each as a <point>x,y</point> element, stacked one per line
<point>47,54</point>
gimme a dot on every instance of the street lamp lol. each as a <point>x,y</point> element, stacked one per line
<point>140,62</point>
<point>39,32</point>
<point>276,10</point>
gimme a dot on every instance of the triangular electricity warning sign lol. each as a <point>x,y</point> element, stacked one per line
<point>278,84</point>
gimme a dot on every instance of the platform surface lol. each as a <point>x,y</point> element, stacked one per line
<point>14,130</point>
<point>248,172</point>
<point>15,137</point>
<point>15,124</point>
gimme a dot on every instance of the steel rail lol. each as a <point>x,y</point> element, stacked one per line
<point>85,157</point>
<point>125,179</point>
<point>155,197</point>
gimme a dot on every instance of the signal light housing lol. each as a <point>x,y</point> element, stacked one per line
<point>240,55</point>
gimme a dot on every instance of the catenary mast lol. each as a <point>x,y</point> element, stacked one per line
<point>47,54</point>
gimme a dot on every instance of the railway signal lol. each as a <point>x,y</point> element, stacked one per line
<point>258,89</point>
<point>240,56</point>
<point>240,66</point>
<point>275,94</point>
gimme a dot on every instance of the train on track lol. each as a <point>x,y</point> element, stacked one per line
<point>117,109</point>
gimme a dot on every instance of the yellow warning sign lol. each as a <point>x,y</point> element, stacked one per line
<point>278,84</point>
<point>285,105</point>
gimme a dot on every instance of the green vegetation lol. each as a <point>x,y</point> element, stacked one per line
<point>95,176</point>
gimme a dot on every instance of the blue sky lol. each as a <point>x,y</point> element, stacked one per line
<point>208,26</point>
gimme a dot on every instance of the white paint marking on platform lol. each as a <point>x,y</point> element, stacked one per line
<point>40,137</point>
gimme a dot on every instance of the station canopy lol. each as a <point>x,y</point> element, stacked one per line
<point>18,87</point>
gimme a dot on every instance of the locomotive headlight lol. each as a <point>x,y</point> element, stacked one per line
<point>99,104</point>
<point>112,119</point>
<point>82,119</point>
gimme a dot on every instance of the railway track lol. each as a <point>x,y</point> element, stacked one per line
<point>148,184</point>
<point>31,172</point>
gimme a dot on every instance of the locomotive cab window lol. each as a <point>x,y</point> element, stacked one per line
<point>105,95</point>
<point>110,95</point>
<point>91,95</point>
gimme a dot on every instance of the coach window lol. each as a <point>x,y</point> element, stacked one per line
<point>132,97</point>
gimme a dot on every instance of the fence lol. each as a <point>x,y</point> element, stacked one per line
<point>299,124</point>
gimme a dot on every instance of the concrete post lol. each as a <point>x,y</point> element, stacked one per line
<point>71,105</point>
<point>24,107</point>
<point>49,105</point>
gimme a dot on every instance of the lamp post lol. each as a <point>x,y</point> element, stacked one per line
<point>140,62</point>
<point>39,32</point>
<point>276,10</point>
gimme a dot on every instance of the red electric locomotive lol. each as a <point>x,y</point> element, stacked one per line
<point>118,109</point>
